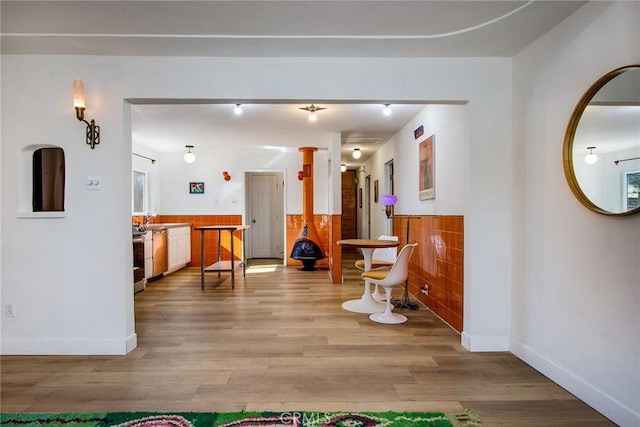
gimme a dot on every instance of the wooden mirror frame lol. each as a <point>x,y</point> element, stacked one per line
<point>567,150</point>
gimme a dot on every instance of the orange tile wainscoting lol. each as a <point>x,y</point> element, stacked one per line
<point>328,227</point>
<point>437,262</point>
<point>329,230</point>
<point>211,239</point>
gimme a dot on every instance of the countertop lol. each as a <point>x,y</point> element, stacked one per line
<point>163,225</point>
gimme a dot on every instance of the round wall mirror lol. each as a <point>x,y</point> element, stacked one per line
<point>602,144</point>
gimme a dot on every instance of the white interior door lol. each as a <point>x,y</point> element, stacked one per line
<point>265,214</point>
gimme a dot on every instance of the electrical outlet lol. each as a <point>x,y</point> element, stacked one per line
<point>10,309</point>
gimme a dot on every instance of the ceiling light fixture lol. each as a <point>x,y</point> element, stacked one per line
<point>238,110</point>
<point>189,157</point>
<point>591,157</point>
<point>343,168</point>
<point>93,131</point>
<point>356,153</point>
<point>312,111</point>
<point>386,110</point>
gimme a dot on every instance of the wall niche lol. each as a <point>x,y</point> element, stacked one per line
<point>48,180</point>
<point>42,182</point>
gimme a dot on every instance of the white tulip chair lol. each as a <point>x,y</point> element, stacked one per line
<point>388,279</point>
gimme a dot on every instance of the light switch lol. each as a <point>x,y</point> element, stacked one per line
<point>93,183</point>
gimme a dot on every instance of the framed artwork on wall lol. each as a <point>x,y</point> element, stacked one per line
<point>196,188</point>
<point>375,191</point>
<point>360,197</point>
<point>426,179</point>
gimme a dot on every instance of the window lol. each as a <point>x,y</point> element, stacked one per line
<point>139,203</point>
<point>632,189</point>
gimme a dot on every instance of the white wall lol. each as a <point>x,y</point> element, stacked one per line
<point>448,124</point>
<point>576,292</point>
<point>71,277</point>
<point>153,174</point>
<point>614,177</point>
<point>228,197</point>
<point>170,177</point>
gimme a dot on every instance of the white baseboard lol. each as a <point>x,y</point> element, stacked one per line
<point>601,402</point>
<point>131,343</point>
<point>68,347</point>
<point>484,343</point>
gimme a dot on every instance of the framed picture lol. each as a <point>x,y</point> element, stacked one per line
<point>360,197</point>
<point>375,191</point>
<point>426,157</point>
<point>196,187</point>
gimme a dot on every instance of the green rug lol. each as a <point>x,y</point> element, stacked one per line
<point>229,419</point>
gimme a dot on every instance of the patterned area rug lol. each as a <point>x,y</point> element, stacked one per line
<point>231,419</point>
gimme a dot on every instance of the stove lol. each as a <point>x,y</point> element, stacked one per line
<point>139,230</point>
<point>138,236</point>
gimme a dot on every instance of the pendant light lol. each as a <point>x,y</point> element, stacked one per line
<point>356,153</point>
<point>189,157</point>
<point>312,111</point>
<point>386,110</point>
<point>591,157</point>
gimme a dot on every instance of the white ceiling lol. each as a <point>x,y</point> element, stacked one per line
<point>168,128</point>
<point>279,28</point>
<point>266,28</point>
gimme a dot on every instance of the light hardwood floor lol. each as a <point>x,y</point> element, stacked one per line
<point>281,341</point>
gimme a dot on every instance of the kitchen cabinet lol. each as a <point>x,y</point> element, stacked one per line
<point>160,251</point>
<point>179,242</point>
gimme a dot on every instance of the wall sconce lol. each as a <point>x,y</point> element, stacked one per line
<point>591,157</point>
<point>356,153</point>
<point>189,157</point>
<point>388,200</point>
<point>305,172</point>
<point>93,131</point>
<point>226,176</point>
<point>343,168</point>
<point>312,111</point>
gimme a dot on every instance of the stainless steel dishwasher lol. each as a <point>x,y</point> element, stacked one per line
<point>160,251</point>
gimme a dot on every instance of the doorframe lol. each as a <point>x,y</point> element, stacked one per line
<point>367,208</point>
<point>246,211</point>
<point>389,189</point>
